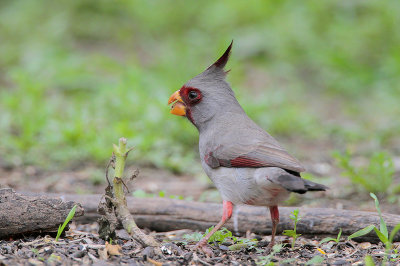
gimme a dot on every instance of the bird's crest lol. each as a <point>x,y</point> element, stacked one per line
<point>221,62</point>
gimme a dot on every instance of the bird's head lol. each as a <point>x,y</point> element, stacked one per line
<point>206,95</point>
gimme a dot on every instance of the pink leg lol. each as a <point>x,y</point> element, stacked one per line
<point>275,220</point>
<point>227,208</point>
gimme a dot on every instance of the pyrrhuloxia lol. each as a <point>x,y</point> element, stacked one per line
<point>246,164</point>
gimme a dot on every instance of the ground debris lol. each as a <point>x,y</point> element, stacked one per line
<point>82,246</point>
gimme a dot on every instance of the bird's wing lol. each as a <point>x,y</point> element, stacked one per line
<point>264,152</point>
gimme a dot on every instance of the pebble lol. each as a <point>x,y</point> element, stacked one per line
<point>340,262</point>
<point>79,254</point>
<point>365,245</point>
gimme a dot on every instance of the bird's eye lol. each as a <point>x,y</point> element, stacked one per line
<point>192,95</point>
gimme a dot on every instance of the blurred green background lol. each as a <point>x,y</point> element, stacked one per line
<point>77,75</point>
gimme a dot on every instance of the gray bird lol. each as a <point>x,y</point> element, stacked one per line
<point>246,164</point>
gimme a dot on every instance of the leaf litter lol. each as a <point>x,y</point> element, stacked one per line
<point>82,246</point>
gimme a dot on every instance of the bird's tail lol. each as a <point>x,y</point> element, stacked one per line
<point>303,185</point>
<point>312,186</point>
<point>293,182</point>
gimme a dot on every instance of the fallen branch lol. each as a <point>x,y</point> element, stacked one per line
<point>22,214</point>
<point>162,214</point>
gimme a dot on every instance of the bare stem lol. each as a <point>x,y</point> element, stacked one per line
<point>122,211</point>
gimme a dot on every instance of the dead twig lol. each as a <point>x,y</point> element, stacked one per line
<point>111,161</point>
<point>115,207</point>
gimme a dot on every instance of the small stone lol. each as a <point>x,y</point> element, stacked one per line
<point>331,255</point>
<point>176,250</point>
<point>365,245</point>
<point>166,250</point>
<point>79,254</point>
<point>223,247</point>
<point>148,252</point>
<point>340,262</point>
<point>188,256</point>
<point>262,244</point>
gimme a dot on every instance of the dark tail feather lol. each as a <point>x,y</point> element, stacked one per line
<point>296,184</point>
<point>311,186</point>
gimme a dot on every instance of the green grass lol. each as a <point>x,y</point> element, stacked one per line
<point>70,216</point>
<point>382,233</point>
<point>320,70</point>
<point>328,239</point>
<point>376,177</point>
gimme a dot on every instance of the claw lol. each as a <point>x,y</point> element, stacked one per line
<point>268,249</point>
<point>202,246</point>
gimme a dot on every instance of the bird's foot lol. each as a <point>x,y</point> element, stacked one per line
<point>268,249</point>
<point>203,246</point>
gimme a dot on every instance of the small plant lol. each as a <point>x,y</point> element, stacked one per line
<point>382,232</point>
<point>316,260</point>
<point>67,220</point>
<point>395,257</point>
<point>369,261</point>
<point>337,239</point>
<point>293,233</point>
<point>196,236</point>
<point>220,236</point>
<point>267,260</point>
<point>36,252</point>
<point>243,243</point>
<point>377,177</point>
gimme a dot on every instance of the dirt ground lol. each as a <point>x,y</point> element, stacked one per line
<point>82,245</point>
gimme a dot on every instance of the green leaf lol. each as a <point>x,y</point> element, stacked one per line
<point>295,215</point>
<point>361,232</point>
<point>327,239</point>
<point>287,261</point>
<point>277,248</point>
<point>369,261</point>
<point>381,236</point>
<point>291,233</point>
<point>393,233</point>
<point>242,243</point>
<point>67,220</point>
<point>383,228</point>
<point>193,237</point>
<point>315,260</point>
<point>219,236</point>
<point>339,235</point>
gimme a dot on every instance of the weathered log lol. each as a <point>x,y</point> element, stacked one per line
<point>161,214</point>
<point>21,214</point>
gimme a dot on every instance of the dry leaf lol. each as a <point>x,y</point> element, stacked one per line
<point>157,263</point>
<point>113,249</point>
<point>103,254</point>
<point>35,262</point>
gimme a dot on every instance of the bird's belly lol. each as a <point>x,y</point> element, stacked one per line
<point>247,186</point>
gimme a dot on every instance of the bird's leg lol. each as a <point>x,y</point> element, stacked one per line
<point>227,208</point>
<point>275,220</point>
